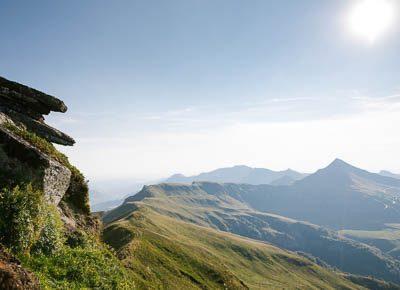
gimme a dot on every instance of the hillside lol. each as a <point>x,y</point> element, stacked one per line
<point>168,253</point>
<point>241,174</point>
<point>387,239</point>
<point>219,206</point>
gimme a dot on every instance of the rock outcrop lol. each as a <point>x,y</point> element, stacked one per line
<point>26,106</point>
<point>54,176</point>
<point>27,155</point>
<point>29,161</point>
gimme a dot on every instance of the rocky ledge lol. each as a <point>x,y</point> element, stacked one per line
<point>26,107</point>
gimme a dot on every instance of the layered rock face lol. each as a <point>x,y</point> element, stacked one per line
<point>22,108</point>
<point>26,106</point>
<point>26,152</point>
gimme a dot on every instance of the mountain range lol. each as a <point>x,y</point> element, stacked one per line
<point>304,217</point>
<point>111,193</point>
<point>241,174</point>
<point>339,196</point>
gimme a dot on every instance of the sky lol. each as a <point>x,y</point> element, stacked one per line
<point>160,87</point>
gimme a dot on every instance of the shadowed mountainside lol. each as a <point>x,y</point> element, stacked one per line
<point>339,196</point>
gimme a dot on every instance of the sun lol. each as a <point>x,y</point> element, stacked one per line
<point>369,19</point>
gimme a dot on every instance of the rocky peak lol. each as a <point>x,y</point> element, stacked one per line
<point>339,165</point>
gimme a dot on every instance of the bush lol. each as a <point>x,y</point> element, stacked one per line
<point>21,217</point>
<point>52,236</point>
<point>28,223</point>
<point>77,194</point>
<point>77,238</point>
<point>93,267</point>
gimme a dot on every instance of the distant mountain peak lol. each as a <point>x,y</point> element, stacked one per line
<point>178,175</point>
<point>241,166</point>
<point>339,164</point>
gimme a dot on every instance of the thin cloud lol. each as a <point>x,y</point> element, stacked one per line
<point>386,103</point>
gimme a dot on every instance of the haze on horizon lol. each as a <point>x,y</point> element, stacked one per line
<point>160,87</point>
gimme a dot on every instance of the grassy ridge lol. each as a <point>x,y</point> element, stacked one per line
<point>166,253</point>
<point>218,206</point>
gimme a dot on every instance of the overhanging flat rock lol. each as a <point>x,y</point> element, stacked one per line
<point>25,95</point>
<point>25,108</point>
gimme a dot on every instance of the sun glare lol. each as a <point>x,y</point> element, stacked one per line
<point>369,19</point>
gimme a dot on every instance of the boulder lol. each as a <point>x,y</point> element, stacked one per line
<point>52,175</point>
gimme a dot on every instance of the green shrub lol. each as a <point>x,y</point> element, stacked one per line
<point>52,237</point>
<point>21,217</point>
<point>28,223</point>
<point>77,194</point>
<point>77,238</point>
<point>93,267</point>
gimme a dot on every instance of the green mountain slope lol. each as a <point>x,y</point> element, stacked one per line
<point>166,253</point>
<point>387,239</point>
<point>218,206</point>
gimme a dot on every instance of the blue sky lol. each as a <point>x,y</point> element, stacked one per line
<point>158,87</point>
